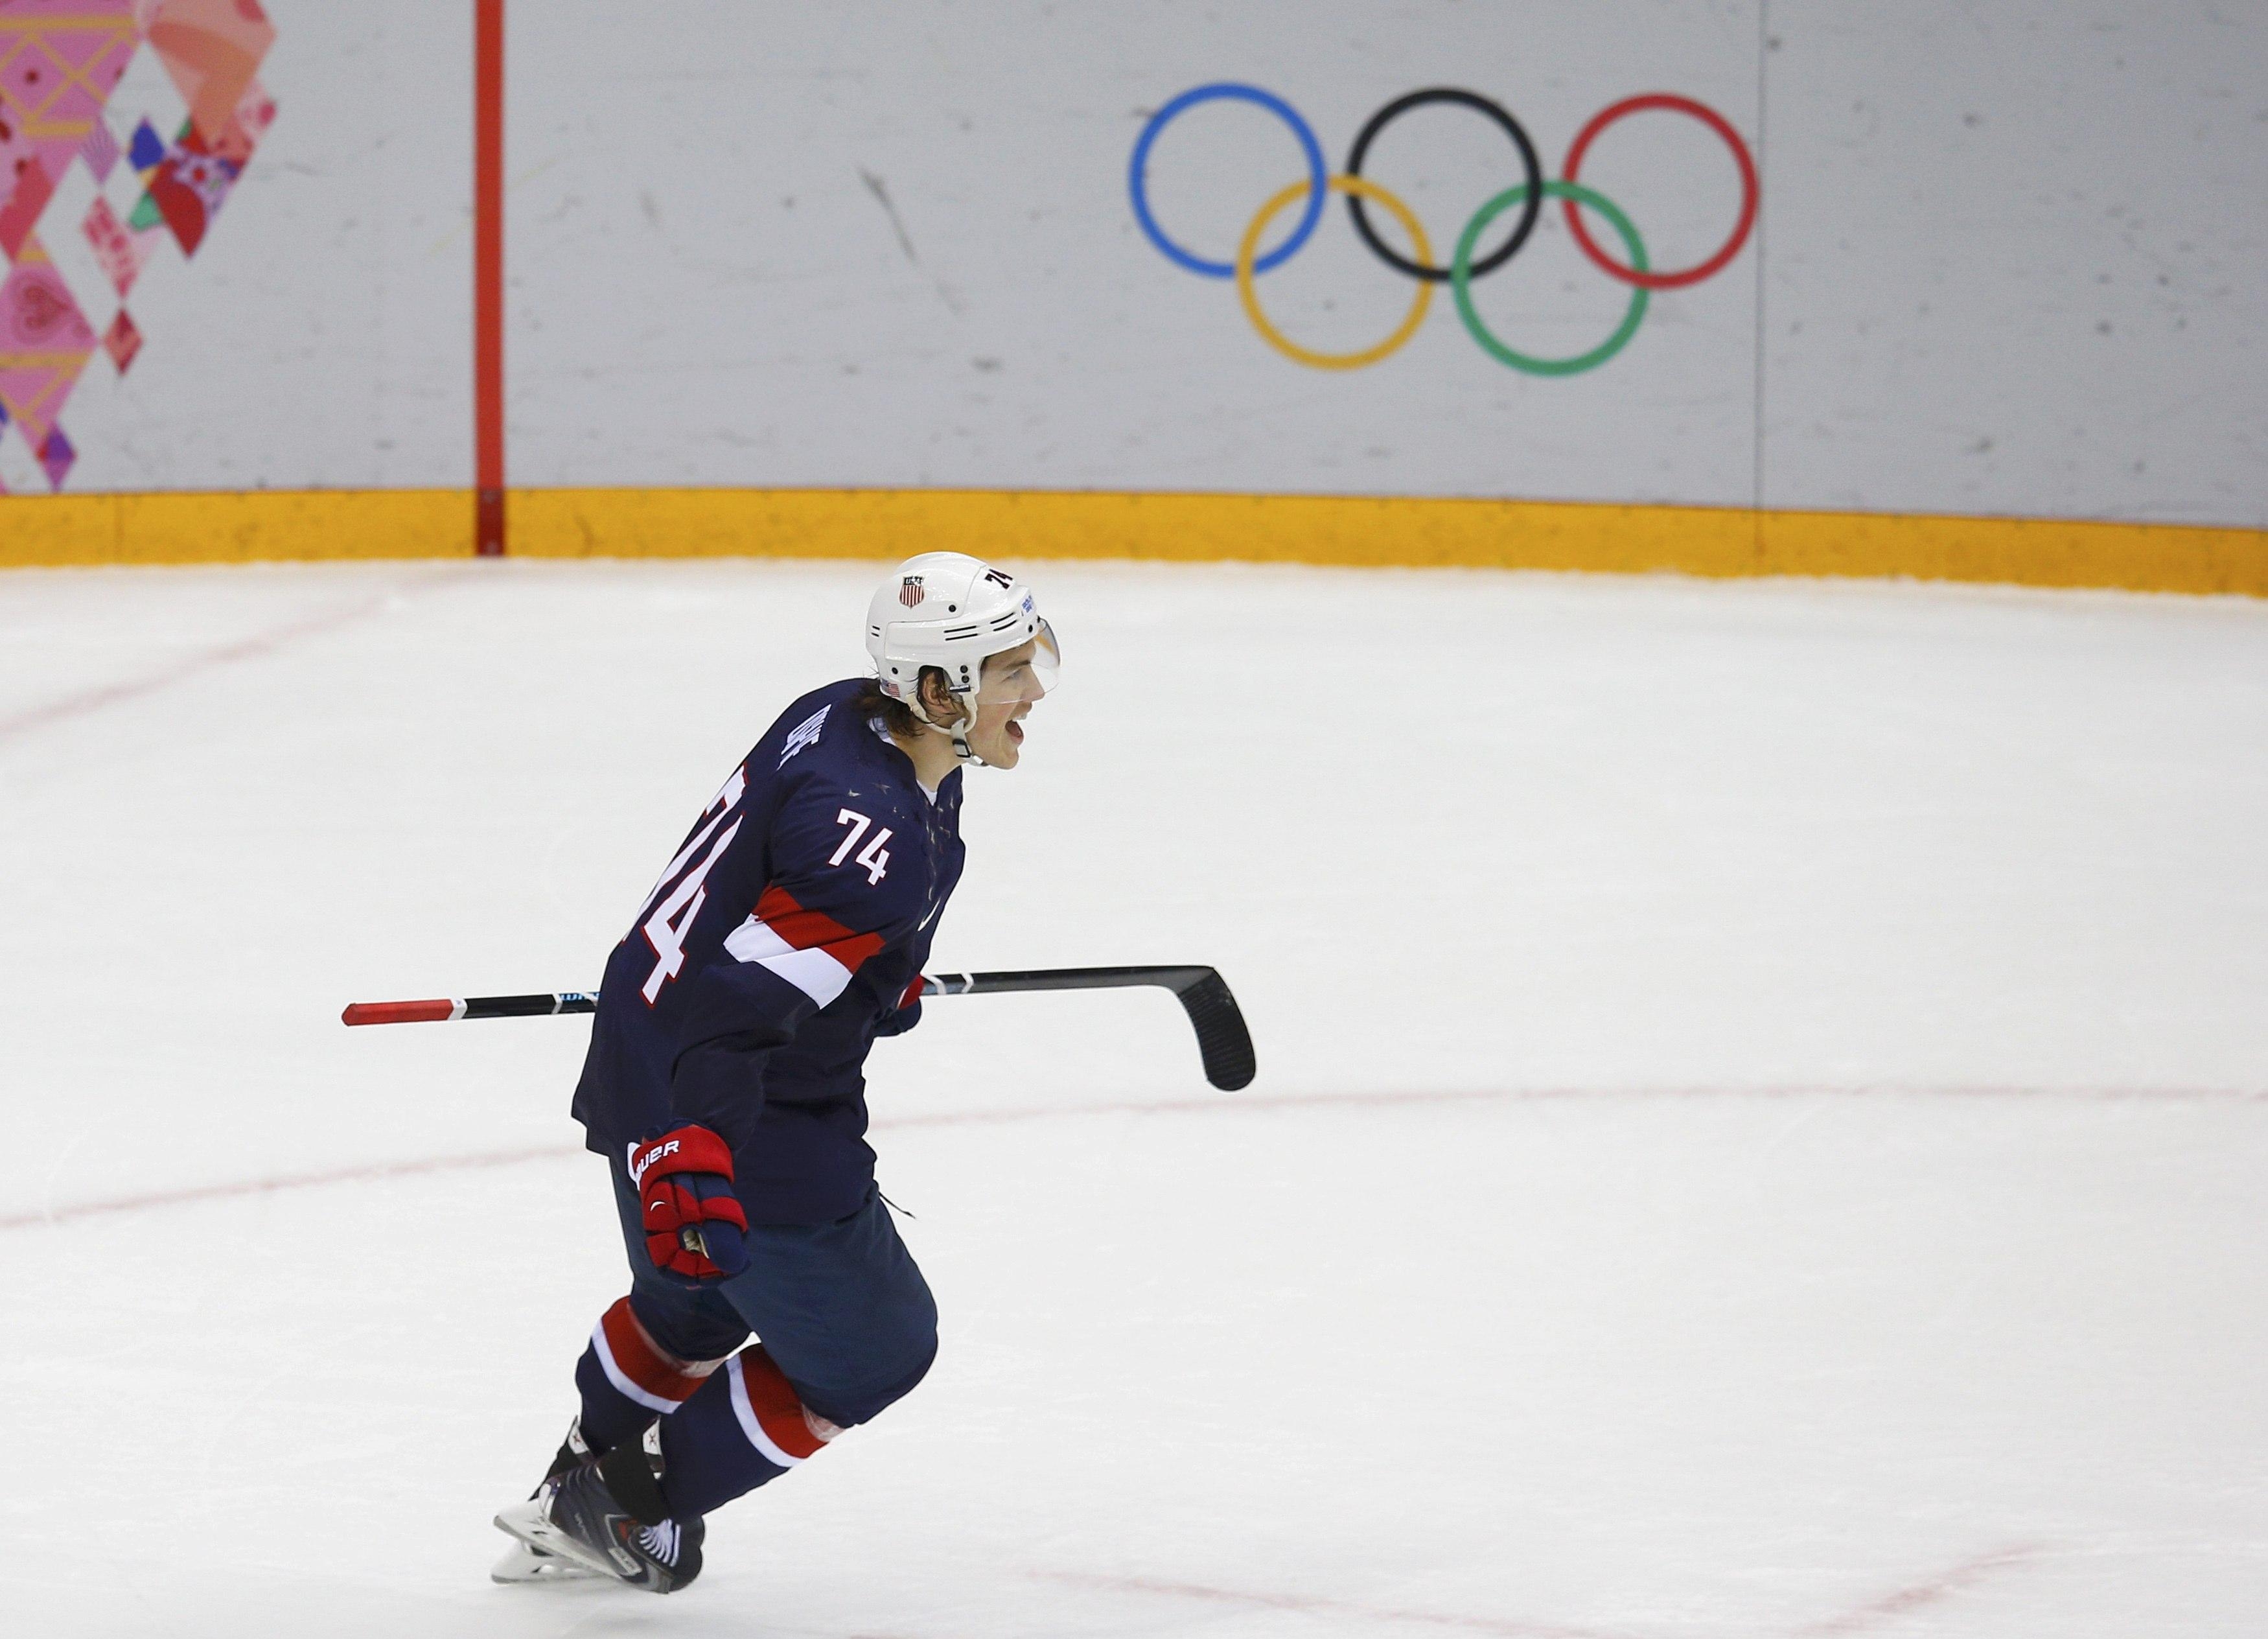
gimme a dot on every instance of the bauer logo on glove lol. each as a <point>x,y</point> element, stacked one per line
<point>694,1223</point>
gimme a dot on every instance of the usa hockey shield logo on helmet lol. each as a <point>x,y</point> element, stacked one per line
<point>909,591</point>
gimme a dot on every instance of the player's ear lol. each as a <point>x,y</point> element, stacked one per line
<point>937,698</point>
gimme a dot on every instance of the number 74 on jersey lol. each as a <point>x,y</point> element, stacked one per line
<point>873,856</point>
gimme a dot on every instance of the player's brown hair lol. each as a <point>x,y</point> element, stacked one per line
<point>897,715</point>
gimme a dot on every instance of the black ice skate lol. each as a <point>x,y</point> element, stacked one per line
<point>524,1561</point>
<point>601,1517</point>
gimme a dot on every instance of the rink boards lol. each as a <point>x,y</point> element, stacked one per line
<point>793,280</point>
<point>1367,530</point>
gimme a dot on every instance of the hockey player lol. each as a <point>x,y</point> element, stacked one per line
<point>724,1086</point>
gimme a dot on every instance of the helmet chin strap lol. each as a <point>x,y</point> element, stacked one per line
<point>956,731</point>
<point>960,735</point>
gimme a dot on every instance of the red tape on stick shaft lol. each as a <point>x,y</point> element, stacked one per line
<point>400,1013</point>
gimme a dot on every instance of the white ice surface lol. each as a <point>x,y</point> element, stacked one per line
<point>1763,1125</point>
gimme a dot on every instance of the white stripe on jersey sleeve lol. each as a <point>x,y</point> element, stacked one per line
<point>816,974</point>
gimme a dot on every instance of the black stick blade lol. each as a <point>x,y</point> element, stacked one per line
<point>1223,1041</point>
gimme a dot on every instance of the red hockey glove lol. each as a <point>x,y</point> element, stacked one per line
<point>693,1224</point>
<point>907,1014</point>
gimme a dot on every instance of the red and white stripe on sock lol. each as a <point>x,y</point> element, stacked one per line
<point>770,1413</point>
<point>639,1368</point>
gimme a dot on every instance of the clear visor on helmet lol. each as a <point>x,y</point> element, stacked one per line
<point>1030,675</point>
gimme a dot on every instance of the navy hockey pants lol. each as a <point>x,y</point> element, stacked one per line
<point>846,1326</point>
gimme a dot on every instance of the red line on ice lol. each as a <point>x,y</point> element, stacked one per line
<point>1232,1103</point>
<point>1916,1595</point>
<point>253,647</point>
<point>1317,1603</point>
<point>1222,1105</point>
<point>1871,1615</point>
<point>295,1181</point>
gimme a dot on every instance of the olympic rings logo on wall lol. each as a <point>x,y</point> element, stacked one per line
<point>1527,195</point>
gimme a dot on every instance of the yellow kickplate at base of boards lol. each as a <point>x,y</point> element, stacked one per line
<point>1417,532</point>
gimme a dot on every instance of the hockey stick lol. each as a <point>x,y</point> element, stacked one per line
<point>1223,1041</point>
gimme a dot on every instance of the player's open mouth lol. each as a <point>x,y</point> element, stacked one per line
<point>1016,732</point>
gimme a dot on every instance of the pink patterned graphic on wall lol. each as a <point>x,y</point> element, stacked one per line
<point>61,62</point>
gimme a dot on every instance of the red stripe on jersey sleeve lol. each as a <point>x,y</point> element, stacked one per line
<point>814,930</point>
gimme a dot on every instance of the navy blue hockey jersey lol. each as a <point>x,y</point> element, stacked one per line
<point>779,943</point>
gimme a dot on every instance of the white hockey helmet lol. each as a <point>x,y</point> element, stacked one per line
<point>950,611</point>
